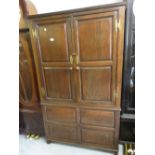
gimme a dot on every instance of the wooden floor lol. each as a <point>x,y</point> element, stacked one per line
<point>40,147</point>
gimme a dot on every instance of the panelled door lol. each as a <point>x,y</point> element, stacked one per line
<point>53,40</point>
<point>95,38</point>
<point>78,57</point>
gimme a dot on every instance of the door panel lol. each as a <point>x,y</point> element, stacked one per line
<point>97,117</point>
<point>95,39</point>
<point>96,84</point>
<point>98,136</point>
<point>62,132</point>
<point>60,114</point>
<point>58,83</point>
<point>95,44</point>
<point>94,35</point>
<point>53,42</point>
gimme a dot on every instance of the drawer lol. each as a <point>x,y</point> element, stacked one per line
<point>62,132</point>
<point>98,137</point>
<point>60,114</point>
<point>97,117</point>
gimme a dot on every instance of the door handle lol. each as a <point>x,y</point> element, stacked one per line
<point>77,62</point>
<point>77,68</point>
<point>71,59</point>
<point>74,60</point>
<point>77,59</point>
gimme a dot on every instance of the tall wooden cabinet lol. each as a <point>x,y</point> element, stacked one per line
<point>78,56</point>
<point>30,120</point>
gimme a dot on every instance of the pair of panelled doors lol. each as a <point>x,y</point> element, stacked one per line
<point>79,56</point>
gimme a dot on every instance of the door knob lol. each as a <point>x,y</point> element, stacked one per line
<point>77,68</point>
<point>71,68</point>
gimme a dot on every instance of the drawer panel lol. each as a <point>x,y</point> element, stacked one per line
<point>60,114</point>
<point>97,117</point>
<point>97,136</point>
<point>62,132</point>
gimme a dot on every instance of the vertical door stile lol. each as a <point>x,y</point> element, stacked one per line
<point>76,75</point>
<point>74,54</point>
<point>114,56</point>
<point>70,46</point>
<point>77,59</point>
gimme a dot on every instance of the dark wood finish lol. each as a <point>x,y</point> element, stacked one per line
<point>78,57</point>
<point>30,110</point>
<point>62,132</point>
<point>54,48</point>
<point>103,64</point>
<point>61,114</point>
<point>57,32</point>
<point>94,37</point>
<point>54,83</point>
<point>98,136</point>
<point>27,85</point>
<point>96,84</point>
<point>97,117</point>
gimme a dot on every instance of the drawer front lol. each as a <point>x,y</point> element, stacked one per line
<point>62,132</point>
<point>98,137</point>
<point>97,117</point>
<point>60,114</point>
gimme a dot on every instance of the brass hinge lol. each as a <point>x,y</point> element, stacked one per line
<point>117,25</point>
<point>34,33</point>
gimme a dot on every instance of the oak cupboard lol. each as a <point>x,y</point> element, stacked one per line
<point>78,58</point>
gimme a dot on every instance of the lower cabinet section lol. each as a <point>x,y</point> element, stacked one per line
<point>86,126</point>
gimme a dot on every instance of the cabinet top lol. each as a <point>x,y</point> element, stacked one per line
<point>71,11</point>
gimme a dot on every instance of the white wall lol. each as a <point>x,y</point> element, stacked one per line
<point>44,6</point>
